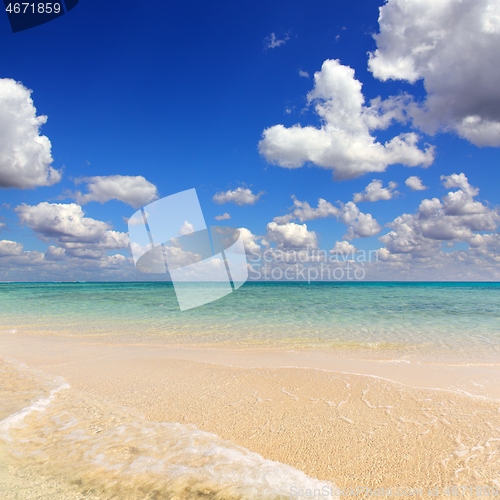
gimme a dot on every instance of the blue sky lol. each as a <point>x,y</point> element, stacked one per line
<point>223,97</point>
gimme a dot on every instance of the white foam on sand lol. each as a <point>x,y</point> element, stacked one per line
<point>114,451</point>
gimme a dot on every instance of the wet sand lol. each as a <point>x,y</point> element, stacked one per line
<point>358,423</point>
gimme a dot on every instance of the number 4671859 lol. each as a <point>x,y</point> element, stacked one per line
<point>32,8</point>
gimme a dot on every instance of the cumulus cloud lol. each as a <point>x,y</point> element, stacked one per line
<point>187,228</point>
<point>360,225</point>
<point>55,253</point>
<point>25,157</point>
<point>224,216</point>
<point>14,256</point>
<point>419,246</point>
<point>177,257</point>
<point>17,264</point>
<point>305,74</point>
<point>291,235</point>
<point>456,217</point>
<point>134,190</point>
<point>240,196</point>
<point>136,220</point>
<point>67,225</point>
<point>344,142</point>
<point>415,183</point>
<point>271,42</point>
<point>343,248</point>
<point>303,211</point>
<point>453,47</point>
<point>208,270</point>
<point>9,248</point>
<point>250,241</point>
<point>374,192</point>
<point>474,264</point>
<point>461,202</point>
<point>63,221</point>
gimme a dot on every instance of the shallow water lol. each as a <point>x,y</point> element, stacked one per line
<point>58,443</point>
<point>85,445</point>
<point>449,322</point>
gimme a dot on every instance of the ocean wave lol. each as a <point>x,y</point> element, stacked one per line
<point>113,452</point>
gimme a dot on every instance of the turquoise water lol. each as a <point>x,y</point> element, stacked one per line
<point>450,321</point>
<point>60,443</point>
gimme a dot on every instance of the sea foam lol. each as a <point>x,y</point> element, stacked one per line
<point>115,453</point>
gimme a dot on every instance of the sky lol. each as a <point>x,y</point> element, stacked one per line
<point>333,134</point>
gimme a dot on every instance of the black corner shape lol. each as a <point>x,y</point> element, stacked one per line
<point>24,15</point>
<point>70,4</point>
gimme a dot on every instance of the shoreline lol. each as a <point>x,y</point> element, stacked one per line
<point>476,379</point>
<point>352,422</point>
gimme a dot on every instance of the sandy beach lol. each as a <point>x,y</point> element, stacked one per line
<point>357,423</point>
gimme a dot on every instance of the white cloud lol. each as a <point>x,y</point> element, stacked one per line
<point>240,196</point>
<point>415,183</point>
<point>250,241</point>
<point>134,190</point>
<point>178,257</point>
<point>13,256</point>
<point>459,181</point>
<point>224,216</point>
<point>343,248</point>
<point>412,250</point>
<point>454,218</point>
<point>9,248</point>
<point>291,235</point>
<point>344,142</point>
<point>475,264</point>
<point>187,228</point>
<point>453,47</point>
<point>64,221</point>
<point>360,225</point>
<point>25,156</point>
<point>136,220</point>
<point>67,225</point>
<point>305,74</point>
<point>303,211</point>
<point>55,253</point>
<point>485,241</point>
<point>461,202</point>
<point>55,264</point>
<point>208,270</point>
<point>2,224</point>
<point>374,192</point>
<point>271,42</point>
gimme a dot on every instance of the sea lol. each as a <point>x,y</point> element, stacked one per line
<point>42,419</point>
<point>449,322</point>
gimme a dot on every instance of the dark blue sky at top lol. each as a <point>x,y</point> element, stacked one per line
<point>180,92</point>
